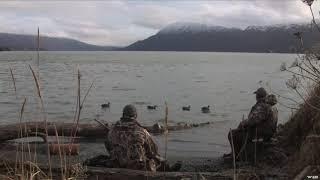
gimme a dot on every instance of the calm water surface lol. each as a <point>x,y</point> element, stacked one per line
<point>225,81</point>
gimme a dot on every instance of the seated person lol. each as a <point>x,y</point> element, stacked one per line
<point>258,125</point>
<point>131,146</point>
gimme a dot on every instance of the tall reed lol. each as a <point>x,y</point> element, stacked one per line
<point>80,104</point>
<point>44,116</point>
<point>14,82</point>
<point>21,134</point>
<point>166,137</point>
<point>38,54</point>
<point>60,154</point>
<point>233,156</point>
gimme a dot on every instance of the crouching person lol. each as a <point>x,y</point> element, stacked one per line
<point>131,146</point>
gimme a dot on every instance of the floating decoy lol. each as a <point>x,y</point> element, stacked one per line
<point>298,34</point>
<point>152,107</point>
<point>205,109</point>
<point>186,108</point>
<point>106,105</point>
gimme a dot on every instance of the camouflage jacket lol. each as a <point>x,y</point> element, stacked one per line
<point>131,146</point>
<point>261,117</point>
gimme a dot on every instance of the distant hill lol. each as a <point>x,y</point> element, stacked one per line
<point>202,37</point>
<point>20,42</point>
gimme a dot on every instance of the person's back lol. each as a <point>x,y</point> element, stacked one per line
<point>263,128</point>
<point>127,140</point>
<point>130,145</point>
<point>272,101</point>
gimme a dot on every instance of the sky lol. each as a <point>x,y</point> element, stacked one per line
<point>122,22</point>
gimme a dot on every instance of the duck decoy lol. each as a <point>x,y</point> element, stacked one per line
<point>298,34</point>
<point>186,108</point>
<point>106,105</point>
<point>205,109</point>
<point>152,107</point>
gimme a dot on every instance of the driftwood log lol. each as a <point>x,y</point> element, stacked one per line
<point>31,129</point>
<point>13,131</point>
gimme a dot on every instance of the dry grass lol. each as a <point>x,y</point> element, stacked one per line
<point>28,168</point>
<point>305,121</point>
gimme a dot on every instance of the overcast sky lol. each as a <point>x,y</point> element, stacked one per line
<point>121,22</point>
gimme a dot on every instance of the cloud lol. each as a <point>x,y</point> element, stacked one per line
<point>121,22</point>
<point>248,13</point>
<point>155,16</point>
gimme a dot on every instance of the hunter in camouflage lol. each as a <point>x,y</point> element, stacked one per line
<point>258,125</point>
<point>130,145</point>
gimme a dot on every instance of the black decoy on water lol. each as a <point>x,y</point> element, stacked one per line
<point>205,109</point>
<point>152,107</point>
<point>186,108</point>
<point>106,105</point>
<point>298,34</point>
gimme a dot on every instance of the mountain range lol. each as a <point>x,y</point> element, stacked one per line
<point>202,37</point>
<point>19,42</point>
<point>186,37</point>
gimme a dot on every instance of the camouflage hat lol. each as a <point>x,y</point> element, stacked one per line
<point>271,99</point>
<point>261,92</point>
<point>129,111</point>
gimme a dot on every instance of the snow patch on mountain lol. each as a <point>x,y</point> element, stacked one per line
<point>194,28</point>
<point>282,27</point>
<point>190,27</point>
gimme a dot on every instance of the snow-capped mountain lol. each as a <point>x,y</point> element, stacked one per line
<point>203,37</point>
<point>190,27</point>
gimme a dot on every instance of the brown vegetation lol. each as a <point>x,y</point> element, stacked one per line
<point>300,135</point>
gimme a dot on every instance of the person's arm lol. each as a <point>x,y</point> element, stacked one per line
<point>151,148</point>
<point>107,145</point>
<point>242,124</point>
